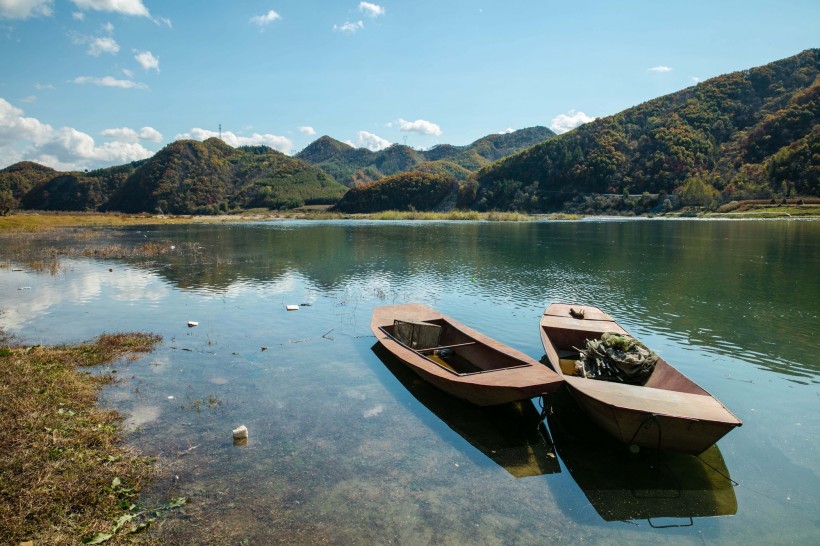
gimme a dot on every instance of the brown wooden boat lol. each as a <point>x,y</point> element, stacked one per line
<point>669,411</point>
<point>459,360</point>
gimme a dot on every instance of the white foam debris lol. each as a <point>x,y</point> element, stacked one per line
<point>240,433</point>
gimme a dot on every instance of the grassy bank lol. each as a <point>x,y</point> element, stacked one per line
<point>33,222</point>
<point>770,211</point>
<point>46,221</point>
<point>65,475</point>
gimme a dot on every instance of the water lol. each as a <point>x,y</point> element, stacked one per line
<point>345,447</point>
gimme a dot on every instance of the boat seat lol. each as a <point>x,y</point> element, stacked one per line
<point>441,347</point>
<point>417,335</point>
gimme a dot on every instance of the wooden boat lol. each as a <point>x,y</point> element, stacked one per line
<point>669,411</point>
<point>459,360</point>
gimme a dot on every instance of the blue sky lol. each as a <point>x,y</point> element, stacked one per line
<point>92,83</point>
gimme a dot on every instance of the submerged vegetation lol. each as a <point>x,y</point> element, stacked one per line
<point>65,475</point>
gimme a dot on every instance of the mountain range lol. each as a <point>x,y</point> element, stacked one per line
<point>351,166</point>
<point>750,134</point>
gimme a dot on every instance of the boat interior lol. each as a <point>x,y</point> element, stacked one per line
<point>450,348</point>
<point>565,341</point>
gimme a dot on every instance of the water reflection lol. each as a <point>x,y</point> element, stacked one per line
<point>751,284</point>
<point>667,489</point>
<point>509,434</point>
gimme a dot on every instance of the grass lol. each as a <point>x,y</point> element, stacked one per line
<point>65,475</point>
<point>30,222</point>
<point>772,211</point>
<point>38,222</point>
<point>453,215</point>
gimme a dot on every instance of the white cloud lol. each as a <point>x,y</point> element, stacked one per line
<point>660,68</point>
<point>572,119</point>
<point>696,79</point>
<point>265,19</point>
<point>14,126</point>
<point>147,60</point>
<point>122,134</point>
<point>280,143</point>
<point>307,130</point>
<point>41,86</point>
<point>99,46</point>
<point>349,27</point>
<point>109,81</point>
<point>22,9</point>
<point>25,138</point>
<point>373,412</point>
<point>149,133</point>
<point>78,16</point>
<point>370,141</point>
<point>506,131</point>
<point>126,134</point>
<point>30,99</point>
<point>370,9</point>
<point>126,7</point>
<point>420,126</point>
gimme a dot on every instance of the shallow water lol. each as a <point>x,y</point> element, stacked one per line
<point>346,447</point>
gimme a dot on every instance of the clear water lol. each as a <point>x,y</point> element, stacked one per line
<point>345,447</point>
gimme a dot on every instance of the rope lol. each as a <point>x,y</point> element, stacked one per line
<point>652,417</point>
<point>546,410</point>
<point>730,480</point>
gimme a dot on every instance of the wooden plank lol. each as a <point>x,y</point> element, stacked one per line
<point>441,347</point>
<point>657,401</point>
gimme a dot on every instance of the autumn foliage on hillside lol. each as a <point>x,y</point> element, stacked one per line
<point>185,177</point>
<point>749,134</point>
<point>351,166</point>
<point>406,191</point>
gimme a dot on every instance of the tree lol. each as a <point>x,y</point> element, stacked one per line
<point>7,202</point>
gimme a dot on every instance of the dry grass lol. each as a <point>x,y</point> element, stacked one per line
<point>37,222</point>
<point>64,473</point>
<point>49,222</point>
<point>458,215</point>
<point>757,210</point>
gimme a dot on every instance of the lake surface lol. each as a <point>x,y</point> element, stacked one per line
<point>346,447</point>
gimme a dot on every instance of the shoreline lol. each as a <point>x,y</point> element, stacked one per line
<point>46,220</point>
<point>68,474</point>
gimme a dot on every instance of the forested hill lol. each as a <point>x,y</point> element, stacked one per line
<point>350,165</point>
<point>748,134</point>
<point>189,176</point>
<point>185,177</point>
